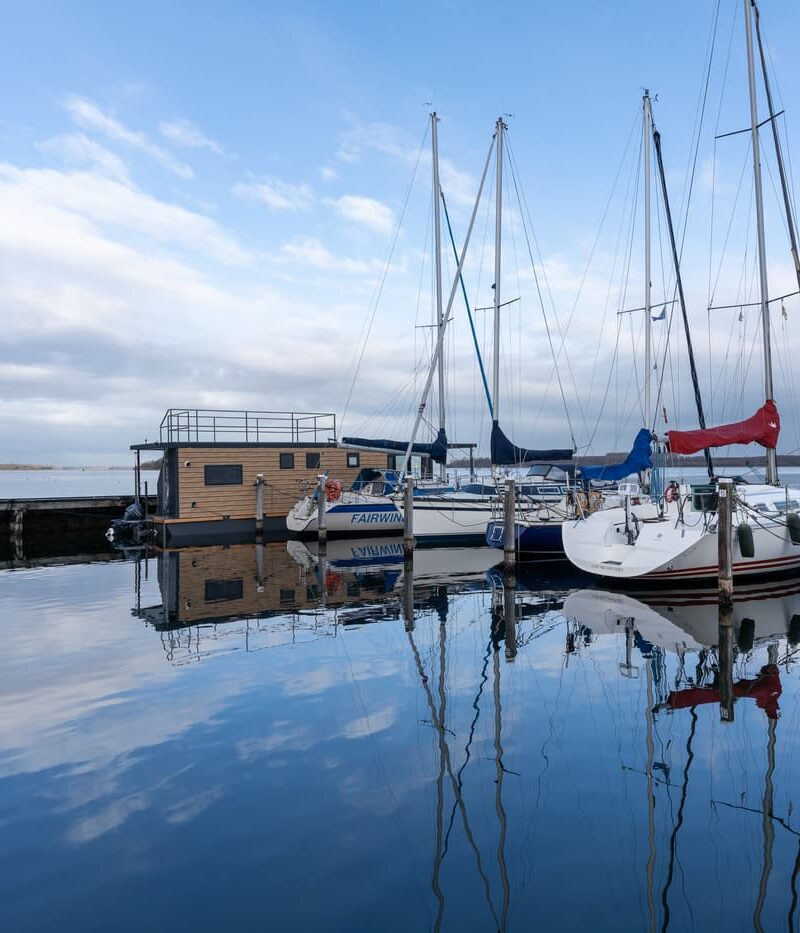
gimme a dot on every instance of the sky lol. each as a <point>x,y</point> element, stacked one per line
<point>228,206</point>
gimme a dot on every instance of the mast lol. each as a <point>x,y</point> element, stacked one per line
<point>498,223</point>
<point>648,323</point>
<point>437,263</point>
<point>446,319</point>
<point>778,151</point>
<point>772,460</point>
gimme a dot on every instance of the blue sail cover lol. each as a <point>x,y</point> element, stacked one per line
<point>504,452</point>
<point>638,459</point>
<point>436,451</point>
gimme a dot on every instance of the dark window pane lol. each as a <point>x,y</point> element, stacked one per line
<point>287,461</point>
<point>353,460</point>
<point>218,591</point>
<point>312,461</point>
<point>223,474</point>
<point>391,461</point>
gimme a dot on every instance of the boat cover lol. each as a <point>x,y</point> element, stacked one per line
<point>504,452</point>
<point>638,459</point>
<point>436,451</point>
<point>763,428</point>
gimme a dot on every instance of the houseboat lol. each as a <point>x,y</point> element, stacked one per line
<point>213,463</point>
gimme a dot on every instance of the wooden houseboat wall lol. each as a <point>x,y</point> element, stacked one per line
<point>210,462</point>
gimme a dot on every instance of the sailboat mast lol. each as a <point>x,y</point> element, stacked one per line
<point>772,460</point>
<point>778,151</point>
<point>498,224</point>
<point>437,265</point>
<point>648,321</point>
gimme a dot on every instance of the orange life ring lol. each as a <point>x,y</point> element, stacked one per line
<point>333,490</point>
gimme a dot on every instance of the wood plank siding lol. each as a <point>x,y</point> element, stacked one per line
<point>222,582</point>
<point>283,487</point>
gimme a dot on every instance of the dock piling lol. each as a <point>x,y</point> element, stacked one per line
<point>322,531</point>
<point>725,587</point>
<point>408,519</point>
<point>509,529</point>
<point>259,484</point>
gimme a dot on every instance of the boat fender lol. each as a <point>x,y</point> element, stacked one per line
<point>794,630</point>
<point>747,631</point>
<point>793,524</point>
<point>744,534</point>
<point>333,490</point>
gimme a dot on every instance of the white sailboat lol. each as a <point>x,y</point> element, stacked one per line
<point>441,513</point>
<point>674,537</point>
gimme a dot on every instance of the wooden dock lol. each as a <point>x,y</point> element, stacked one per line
<point>23,518</point>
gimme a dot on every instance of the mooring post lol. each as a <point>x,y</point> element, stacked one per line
<point>725,586</point>
<point>510,616</point>
<point>408,595</point>
<point>259,567</point>
<point>322,531</point>
<point>259,484</point>
<point>146,502</point>
<point>408,519</point>
<point>509,531</point>
<point>138,477</point>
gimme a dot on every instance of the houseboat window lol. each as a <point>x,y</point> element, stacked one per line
<point>391,461</point>
<point>312,461</point>
<point>217,591</point>
<point>223,474</point>
<point>353,461</point>
<point>286,461</point>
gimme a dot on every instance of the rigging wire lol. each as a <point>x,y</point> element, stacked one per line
<point>366,328</point>
<point>512,165</point>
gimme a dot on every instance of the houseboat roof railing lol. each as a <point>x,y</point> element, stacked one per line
<point>211,426</point>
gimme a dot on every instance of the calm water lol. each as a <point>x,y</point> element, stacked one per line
<point>42,484</point>
<point>238,738</point>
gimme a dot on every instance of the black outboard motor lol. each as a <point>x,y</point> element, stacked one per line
<point>130,527</point>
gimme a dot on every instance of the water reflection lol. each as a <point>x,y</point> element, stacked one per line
<point>437,746</point>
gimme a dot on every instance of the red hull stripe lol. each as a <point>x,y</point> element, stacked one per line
<point>742,565</point>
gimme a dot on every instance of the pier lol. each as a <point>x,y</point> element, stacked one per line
<point>23,518</point>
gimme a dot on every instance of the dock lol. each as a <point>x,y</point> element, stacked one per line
<point>21,519</point>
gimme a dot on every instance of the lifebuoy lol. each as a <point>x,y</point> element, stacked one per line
<point>333,490</point>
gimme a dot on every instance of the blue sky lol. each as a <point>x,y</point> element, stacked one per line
<point>196,202</point>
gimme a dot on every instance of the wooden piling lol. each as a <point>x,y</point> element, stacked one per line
<point>408,519</point>
<point>408,596</point>
<point>322,531</point>
<point>725,588</point>
<point>509,524</point>
<point>725,549</point>
<point>510,616</point>
<point>259,484</point>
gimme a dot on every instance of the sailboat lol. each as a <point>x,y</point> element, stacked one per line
<point>674,536</point>
<point>441,513</point>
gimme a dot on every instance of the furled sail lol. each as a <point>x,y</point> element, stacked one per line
<point>638,459</point>
<point>436,451</point>
<point>504,452</point>
<point>763,428</point>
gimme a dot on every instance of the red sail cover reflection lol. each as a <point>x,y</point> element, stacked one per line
<point>763,428</point>
<point>764,689</point>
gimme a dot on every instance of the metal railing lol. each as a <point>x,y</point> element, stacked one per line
<point>212,426</point>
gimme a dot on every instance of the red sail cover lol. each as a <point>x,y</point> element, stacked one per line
<point>763,428</point>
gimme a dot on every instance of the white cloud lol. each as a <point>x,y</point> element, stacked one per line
<point>185,133</point>
<point>328,173</point>
<point>366,212</point>
<point>89,116</point>
<point>276,194</point>
<point>78,149</point>
<point>314,254</point>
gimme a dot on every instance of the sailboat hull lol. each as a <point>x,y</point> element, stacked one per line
<point>676,547</point>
